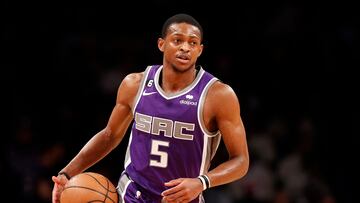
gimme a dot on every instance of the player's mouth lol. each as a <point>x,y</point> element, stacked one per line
<point>184,58</point>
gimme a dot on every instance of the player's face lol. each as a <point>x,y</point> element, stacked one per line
<point>181,46</point>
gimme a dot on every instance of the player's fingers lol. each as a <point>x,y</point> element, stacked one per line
<point>176,196</point>
<point>59,180</point>
<point>171,191</point>
<point>56,180</point>
<point>165,200</point>
<point>56,194</point>
<point>183,199</point>
<point>173,182</point>
<point>59,183</point>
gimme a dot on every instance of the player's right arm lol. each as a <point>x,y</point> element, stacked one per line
<point>108,138</point>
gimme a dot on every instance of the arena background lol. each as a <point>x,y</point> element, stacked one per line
<point>291,64</point>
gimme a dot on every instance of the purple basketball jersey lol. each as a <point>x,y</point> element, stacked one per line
<point>168,138</point>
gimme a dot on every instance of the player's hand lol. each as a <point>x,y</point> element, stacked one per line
<point>59,183</point>
<point>182,190</point>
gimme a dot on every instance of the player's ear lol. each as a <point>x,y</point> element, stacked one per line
<point>160,43</point>
<point>200,50</point>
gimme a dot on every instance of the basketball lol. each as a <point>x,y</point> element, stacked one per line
<point>89,187</point>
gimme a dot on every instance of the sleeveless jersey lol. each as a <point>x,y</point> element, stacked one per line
<point>168,137</point>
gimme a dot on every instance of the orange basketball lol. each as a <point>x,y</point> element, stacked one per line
<point>89,187</point>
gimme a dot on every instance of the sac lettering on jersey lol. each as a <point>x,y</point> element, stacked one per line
<point>170,128</point>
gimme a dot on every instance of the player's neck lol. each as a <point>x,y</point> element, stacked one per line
<point>172,81</point>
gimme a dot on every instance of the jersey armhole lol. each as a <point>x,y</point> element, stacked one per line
<point>200,112</point>
<point>141,89</point>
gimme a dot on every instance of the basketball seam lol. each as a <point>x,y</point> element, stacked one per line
<point>106,188</point>
<point>100,182</point>
<point>106,196</point>
<point>107,191</point>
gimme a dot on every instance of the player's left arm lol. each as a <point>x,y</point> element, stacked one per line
<point>226,108</point>
<point>221,112</point>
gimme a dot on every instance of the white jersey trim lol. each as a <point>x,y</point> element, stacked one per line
<point>127,160</point>
<point>180,93</point>
<point>213,138</point>
<point>200,110</point>
<point>141,88</point>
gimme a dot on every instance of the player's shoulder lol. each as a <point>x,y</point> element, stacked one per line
<point>220,89</point>
<point>136,77</point>
<point>131,83</point>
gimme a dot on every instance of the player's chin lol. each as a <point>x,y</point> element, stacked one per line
<point>183,67</point>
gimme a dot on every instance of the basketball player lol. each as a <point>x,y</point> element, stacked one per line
<point>179,112</point>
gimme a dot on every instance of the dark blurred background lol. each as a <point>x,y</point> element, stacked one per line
<point>292,66</point>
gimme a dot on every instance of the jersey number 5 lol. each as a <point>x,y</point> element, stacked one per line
<point>163,161</point>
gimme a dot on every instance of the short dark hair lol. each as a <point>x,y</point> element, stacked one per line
<point>180,18</point>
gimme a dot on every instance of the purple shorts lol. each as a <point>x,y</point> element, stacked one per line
<point>131,192</point>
